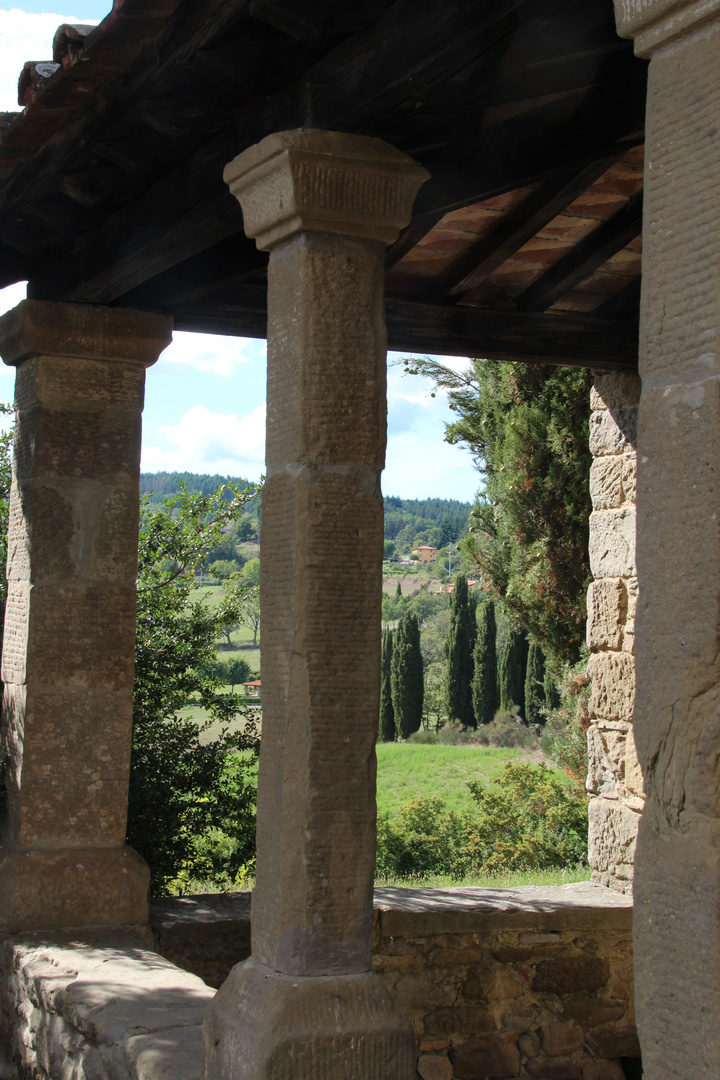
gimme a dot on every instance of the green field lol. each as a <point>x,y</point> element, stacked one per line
<point>411,770</point>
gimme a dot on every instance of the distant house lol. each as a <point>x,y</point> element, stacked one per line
<point>426,553</point>
<point>252,689</point>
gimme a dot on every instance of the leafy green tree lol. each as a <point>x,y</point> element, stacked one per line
<point>459,651</point>
<point>387,713</point>
<point>552,694</point>
<point>183,790</point>
<point>535,685</point>
<point>251,572</point>
<point>232,672</point>
<point>485,696</point>
<point>527,427</point>
<point>388,549</point>
<point>223,568</point>
<point>406,677</point>
<point>511,675</point>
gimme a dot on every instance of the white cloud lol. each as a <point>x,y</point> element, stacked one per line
<point>211,442</point>
<point>11,296</point>
<point>25,36</point>
<point>208,352</point>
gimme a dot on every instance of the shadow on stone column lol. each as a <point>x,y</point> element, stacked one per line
<point>306,1003</point>
<point>70,617</point>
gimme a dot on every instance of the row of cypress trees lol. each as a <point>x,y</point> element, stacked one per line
<point>475,684</point>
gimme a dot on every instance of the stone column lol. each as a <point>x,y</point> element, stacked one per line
<point>614,777</point>
<point>677,710</point>
<point>325,205</point>
<point>70,619</point>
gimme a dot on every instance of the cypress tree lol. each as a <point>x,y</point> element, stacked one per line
<point>406,677</point>
<point>459,651</point>
<point>552,695</point>
<point>535,685</point>
<point>387,713</point>
<point>398,591</point>
<point>485,678</point>
<point>513,663</point>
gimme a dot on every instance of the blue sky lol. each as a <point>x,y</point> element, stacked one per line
<point>205,398</point>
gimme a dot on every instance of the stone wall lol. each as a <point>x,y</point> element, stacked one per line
<point>497,983</point>
<point>614,778</point>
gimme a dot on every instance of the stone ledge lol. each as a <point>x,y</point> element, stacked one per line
<point>100,1005</point>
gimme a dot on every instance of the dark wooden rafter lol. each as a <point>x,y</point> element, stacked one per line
<point>453,330</point>
<point>514,230</point>
<point>623,304</point>
<point>582,260</point>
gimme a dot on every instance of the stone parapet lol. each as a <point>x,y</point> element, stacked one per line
<point>614,779</point>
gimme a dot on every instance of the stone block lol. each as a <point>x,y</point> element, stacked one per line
<point>71,748</point>
<point>613,431</point>
<point>554,1070</point>
<point>571,975</point>
<point>263,1025</point>
<point>607,605</point>
<point>615,390</point>
<point>603,1070</point>
<point>612,832</point>
<point>435,1067</point>
<point>611,1041</point>
<point>606,488</point>
<point>633,773</point>
<point>488,1056</point>
<point>559,1040</point>
<point>47,890</point>
<point>602,778</point>
<point>591,1012</point>
<point>529,1044</point>
<point>612,543</point>
<point>612,686</point>
<point>82,331</point>
<point>458,1020</point>
<point>629,479</point>
<point>77,444</point>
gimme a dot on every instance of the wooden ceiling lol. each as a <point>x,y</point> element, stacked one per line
<point>528,114</point>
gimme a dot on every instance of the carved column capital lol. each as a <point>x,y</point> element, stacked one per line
<point>323,181</point>
<point>654,23</point>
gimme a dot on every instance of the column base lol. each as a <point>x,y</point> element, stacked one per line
<point>72,887</point>
<point>262,1025</point>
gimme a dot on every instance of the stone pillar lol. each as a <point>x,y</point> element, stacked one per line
<point>677,710</point>
<point>70,619</point>
<point>614,777</point>
<point>325,205</point>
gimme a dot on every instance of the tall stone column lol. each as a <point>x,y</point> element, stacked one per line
<point>677,639</point>
<point>614,777</point>
<point>325,205</point>
<point>70,619</point>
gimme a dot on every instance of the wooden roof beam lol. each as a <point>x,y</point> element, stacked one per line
<point>582,260</point>
<point>515,229</point>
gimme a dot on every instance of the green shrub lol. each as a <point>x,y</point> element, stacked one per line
<point>527,819</point>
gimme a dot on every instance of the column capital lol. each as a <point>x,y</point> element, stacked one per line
<point>323,181</point>
<point>82,332</point>
<point>653,23</point>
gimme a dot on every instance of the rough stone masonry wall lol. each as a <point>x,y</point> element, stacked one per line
<point>614,778</point>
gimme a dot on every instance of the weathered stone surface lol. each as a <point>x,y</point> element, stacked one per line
<point>602,1070</point>
<point>612,543</point>
<point>328,181</point>
<point>263,1023</point>
<point>572,975</point>
<point>487,1056</point>
<point>102,1008</point>
<point>654,23</point>
<point>612,833</point>
<point>555,1071</point>
<point>435,1067</point>
<point>615,391</point>
<point>603,775</point>
<point>561,1039</point>
<point>633,772</point>
<point>606,487</point>
<point>70,625</point>
<point>613,431</point>
<point>614,1042</point>
<point>629,479</point>
<point>612,686</point>
<point>529,1045</point>
<point>607,605</point>
<point>205,935</point>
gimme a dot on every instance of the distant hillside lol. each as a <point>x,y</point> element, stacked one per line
<point>162,484</point>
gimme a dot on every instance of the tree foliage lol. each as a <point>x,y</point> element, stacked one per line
<point>406,676</point>
<point>511,674</point>
<point>459,649</point>
<point>527,427</point>
<point>485,697</point>
<point>535,685</point>
<point>182,789</point>
<point>387,713</point>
